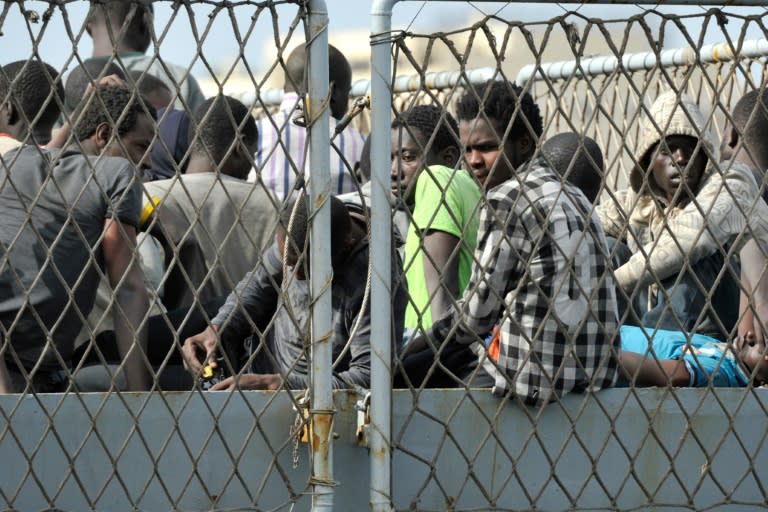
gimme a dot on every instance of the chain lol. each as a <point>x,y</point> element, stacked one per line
<point>299,423</point>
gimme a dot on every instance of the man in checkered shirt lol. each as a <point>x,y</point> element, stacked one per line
<point>540,279</point>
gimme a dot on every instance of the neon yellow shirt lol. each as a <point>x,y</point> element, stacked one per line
<point>445,200</point>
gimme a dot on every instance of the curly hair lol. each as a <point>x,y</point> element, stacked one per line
<point>498,101</point>
<point>431,119</point>
<point>220,121</point>
<point>750,118</point>
<point>35,88</point>
<point>106,105</point>
<point>80,77</point>
<point>579,156</point>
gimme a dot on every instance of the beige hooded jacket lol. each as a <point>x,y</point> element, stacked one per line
<point>661,237</point>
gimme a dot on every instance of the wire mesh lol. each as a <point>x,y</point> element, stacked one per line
<point>75,319</point>
<point>608,83</point>
<point>90,306</point>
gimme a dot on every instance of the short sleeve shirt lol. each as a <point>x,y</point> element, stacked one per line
<point>54,204</point>
<point>446,200</point>
<point>705,358</point>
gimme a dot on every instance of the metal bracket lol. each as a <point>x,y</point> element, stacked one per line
<point>363,407</point>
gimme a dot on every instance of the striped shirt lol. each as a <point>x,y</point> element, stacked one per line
<point>542,275</point>
<point>283,154</point>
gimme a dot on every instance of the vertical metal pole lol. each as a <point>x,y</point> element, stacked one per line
<point>381,252</point>
<point>318,113</point>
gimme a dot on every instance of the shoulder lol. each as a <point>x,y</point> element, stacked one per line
<point>159,186</point>
<point>104,168</point>
<point>524,188</point>
<point>731,170</point>
<point>355,264</point>
<point>448,178</point>
<point>118,167</point>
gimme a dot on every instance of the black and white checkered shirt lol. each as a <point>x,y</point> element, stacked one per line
<point>541,274</point>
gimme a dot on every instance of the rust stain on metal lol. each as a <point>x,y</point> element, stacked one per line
<point>380,453</point>
<point>320,200</point>
<point>321,432</point>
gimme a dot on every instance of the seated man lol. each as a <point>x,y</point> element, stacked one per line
<point>660,358</point>
<point>31,95</point>
<point>172,143</point>
<point>539,269</point>
<point>65,213</point>
<point>444,204</point>
<point>123,31</point>
<point>257,302</point>
<point>281,152</point>
<point>745,143</point>
<point>213,225</point>
<point>578,159</point>
<point>679,219</point>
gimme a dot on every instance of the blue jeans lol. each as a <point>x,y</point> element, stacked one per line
<point>697,299</point>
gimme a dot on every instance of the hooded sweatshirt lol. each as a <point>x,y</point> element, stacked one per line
<point>662,236</point>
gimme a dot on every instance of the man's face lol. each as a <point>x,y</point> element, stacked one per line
<point>484,155</point>
<point>291,260</point>
<point>407,160</point>
<point>676,163</point>
<point>135,144</point>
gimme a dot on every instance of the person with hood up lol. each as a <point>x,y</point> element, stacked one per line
<point>683,213</point>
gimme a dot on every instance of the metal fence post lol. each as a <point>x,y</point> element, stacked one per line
<point>381,251</point>
<point>322,407</point>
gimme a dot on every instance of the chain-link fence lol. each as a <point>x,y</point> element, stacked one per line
<point>657,140</point>
<point>548,208</point>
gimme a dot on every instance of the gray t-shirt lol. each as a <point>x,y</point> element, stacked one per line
<point>53,205</point>
<point>213,229</point>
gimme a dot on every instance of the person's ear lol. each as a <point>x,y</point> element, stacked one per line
<point>449,156</point>
<point>525,146</point>
<point>521,150</point>
<point>732,136</point>
<point>102,136</point>
<point>146,27</point>
<point>10,113</point>
<point>729,142</point>
<point>240,159</point>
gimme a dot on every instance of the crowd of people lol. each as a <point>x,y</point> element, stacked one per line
<point>156,239</point>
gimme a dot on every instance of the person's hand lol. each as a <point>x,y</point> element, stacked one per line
<point>107,81</point>
<point>415,345</point>
<point>199,349</point>
<point>270,382</point>
<point>743,340</point>
<point>6,385</point>
<point>59,136</point>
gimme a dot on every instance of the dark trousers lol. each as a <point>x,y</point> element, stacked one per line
<point>165,335</point>
<point>455,363</point>
<point>702,298</point>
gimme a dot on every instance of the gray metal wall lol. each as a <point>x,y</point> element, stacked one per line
<point>588,452</point>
